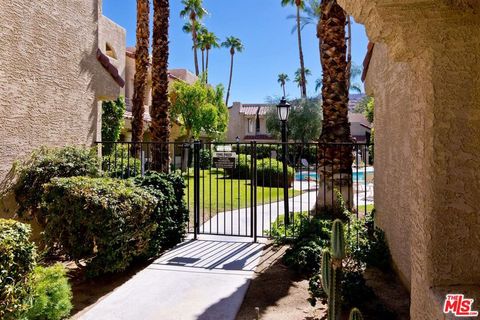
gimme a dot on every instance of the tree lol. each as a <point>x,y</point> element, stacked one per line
<point>299,4</point>
<point>211,41</point>
<point>356,71</point>
<point>335,162</point>
<point>199,108</point>
<point>193,9</point>
<point>370,110</point>
<point>298,79</point>
<point>112,123</point>
<point>141,70</point>
<point>160,127</point>
<point>235,45</point>
<point>200,30</point>
<point>202,45</point>
<point>304,122</point>
<point>282,80</point>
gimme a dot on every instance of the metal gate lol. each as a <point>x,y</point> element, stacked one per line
<point>240,188</point>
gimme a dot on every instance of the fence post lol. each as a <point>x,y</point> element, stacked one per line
<point>252,172</point>
<point>254,187</point>
<point>196,188</point>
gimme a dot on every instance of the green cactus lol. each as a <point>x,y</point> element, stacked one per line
<point>326,270</point>
<point>355,314</point>
<point>338,240</point>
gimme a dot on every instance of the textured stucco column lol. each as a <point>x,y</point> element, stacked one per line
<point>432,51</point>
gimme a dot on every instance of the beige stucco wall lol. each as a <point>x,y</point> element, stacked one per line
<point>50,79</point>
<point>236,123</point>
<point>426,81</point>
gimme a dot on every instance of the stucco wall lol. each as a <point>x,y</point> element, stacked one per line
<point>236,123</point>
<point>50,79</point>
<point>426,81</point>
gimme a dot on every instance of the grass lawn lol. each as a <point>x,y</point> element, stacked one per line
<point>219,194</point>
<point>361,209</point>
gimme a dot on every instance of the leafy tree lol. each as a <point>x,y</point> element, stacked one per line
<point>369,110</point>
<point>362,104</point>
<point>235,45</point>
<point>300,5</point>
<point>193,9</point>
<point>112,122</point>
<point>282,80</point>
<point>199,108</point>
<point>304,122</point>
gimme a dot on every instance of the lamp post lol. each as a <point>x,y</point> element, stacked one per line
<point>283,109</point>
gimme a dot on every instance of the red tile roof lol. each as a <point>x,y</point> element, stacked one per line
<point>253,109</point>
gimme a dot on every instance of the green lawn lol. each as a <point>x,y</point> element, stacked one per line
<point>361,209</point>
<point>218,194</point>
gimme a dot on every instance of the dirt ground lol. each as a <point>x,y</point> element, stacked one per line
<point>278,292</point>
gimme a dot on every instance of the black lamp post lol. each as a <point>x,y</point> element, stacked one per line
<point>283,109</point>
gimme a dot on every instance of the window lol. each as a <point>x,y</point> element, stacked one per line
<point>257,125</point>
<point>109,51</point>
<point>250,125</point>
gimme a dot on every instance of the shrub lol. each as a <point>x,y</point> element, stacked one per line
<point>50,293</point>
<point>45,164</point>
<point>112,122</point>
<point>121,164</point>
<point>106,222</point>
<point>242,168</point>
<point>171,212</point>
<point>17,259</point>
<point>270,173</point>
<point>205,159</point>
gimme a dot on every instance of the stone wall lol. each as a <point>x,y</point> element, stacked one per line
<point>50,79</point>
<point>425,76</point>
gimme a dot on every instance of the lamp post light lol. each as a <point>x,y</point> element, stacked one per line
<point>283,110</point>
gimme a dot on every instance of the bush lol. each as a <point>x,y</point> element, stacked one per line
<point>45,164</point>
<point>205,159</point>
<point>121,164</point>
<point>106,222</point>
<point>17,260</point>
<point>112,122</point>
<point>270,173</point>
<point>51,294</point>
<point>171,212</point>
<point>242,169</point>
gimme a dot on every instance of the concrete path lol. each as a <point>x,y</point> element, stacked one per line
<point>204,279</point>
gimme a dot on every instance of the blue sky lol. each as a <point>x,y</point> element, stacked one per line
<point>270,48</point>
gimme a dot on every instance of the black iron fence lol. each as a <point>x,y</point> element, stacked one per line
<point>240,189</point>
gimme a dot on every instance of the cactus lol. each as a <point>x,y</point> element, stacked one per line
<point>326,270</point>
<point>355,314</point>
<point>338,240</point>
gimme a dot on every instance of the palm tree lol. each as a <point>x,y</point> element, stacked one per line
<point>201,33</point>
<point>160,113</point>
<point>141,71</point>
<point>235,45</point>
<point>211,41</point>
<point>299,5</point>
<point>193,9</point>
<point>335,163</point>
<point>298,79</point>
<point>282,80</point>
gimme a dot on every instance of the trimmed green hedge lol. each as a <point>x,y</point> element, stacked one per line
<point>45,164</point>
<point>105,222</point>
<point>171,212</point>
<point>17,260</point>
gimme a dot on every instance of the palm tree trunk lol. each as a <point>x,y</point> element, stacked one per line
<point>230,80</point>
<point>195,45</point>
<point>203,61</point>
<point>303,83</point>
<point>335,161</point>
<point>206,67</point>
<point>160,128</point>
<point>141,71</point>
<point>283,87</point>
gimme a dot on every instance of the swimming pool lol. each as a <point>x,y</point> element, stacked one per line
<point>357,176</point>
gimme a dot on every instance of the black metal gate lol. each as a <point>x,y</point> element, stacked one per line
<point>239,188</point>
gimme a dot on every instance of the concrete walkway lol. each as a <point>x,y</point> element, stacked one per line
<point>204,279</point>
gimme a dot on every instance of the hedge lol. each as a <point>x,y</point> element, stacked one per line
<point>105,222</point>
<point>17,260</point>
<point>171,212</point>
<point>45,164</point>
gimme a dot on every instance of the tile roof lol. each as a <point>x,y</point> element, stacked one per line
<point>253,109</point>
<point>358,118</point>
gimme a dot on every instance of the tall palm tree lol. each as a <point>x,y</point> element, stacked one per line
<point>211,41</point>
<point>193,9</point>
<point>141,71</point>
<point>299,4</point>
<point>298,79</point>
<point>282,80</point>
<point>202,32</point>
<point>160,113</point>
<point>235,45</point>
<point>335,163</point>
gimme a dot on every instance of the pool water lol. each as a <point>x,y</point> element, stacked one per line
<point>310,175</point>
